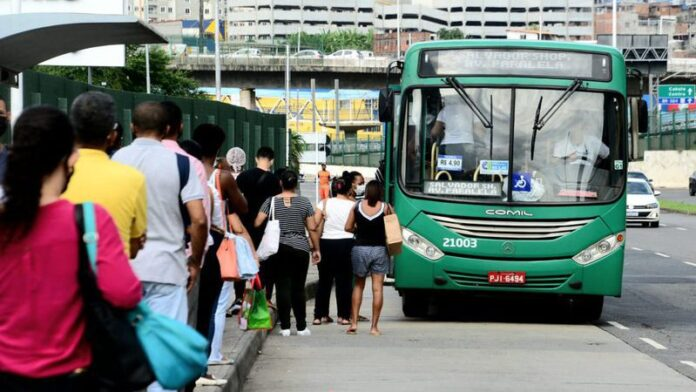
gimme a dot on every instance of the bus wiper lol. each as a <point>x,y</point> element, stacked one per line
<point>539,122</point>
<point>487,122</point>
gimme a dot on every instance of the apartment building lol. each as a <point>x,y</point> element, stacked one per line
<point>167,10</point>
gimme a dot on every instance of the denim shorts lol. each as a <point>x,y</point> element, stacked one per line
<point>369,260</point>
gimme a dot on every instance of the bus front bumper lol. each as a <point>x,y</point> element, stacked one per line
<point>552,276</point>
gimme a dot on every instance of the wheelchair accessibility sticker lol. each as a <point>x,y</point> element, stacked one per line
<point>521,182</point>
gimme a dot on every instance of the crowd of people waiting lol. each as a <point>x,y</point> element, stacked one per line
<point>163,206</point>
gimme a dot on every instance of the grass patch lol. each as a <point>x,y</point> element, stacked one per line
<point>677,206</point>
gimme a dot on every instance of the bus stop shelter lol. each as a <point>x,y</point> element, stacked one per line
<point>29,39</point>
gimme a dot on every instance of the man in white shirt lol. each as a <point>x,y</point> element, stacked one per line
<point>454,128</point>
<point>580,148</point>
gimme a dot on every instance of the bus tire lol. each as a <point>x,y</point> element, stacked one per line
<point>587,308</point>
<point>415,303</point>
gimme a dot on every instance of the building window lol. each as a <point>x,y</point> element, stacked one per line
<point>171,9</point>
<point>163,9</point>
<point>207,11</point>
<point>187,11</point>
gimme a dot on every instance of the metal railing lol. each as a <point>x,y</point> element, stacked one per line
<point>670,131</point>
<point>356,153</point>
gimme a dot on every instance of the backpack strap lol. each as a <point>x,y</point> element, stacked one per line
<point>87,230</point>
<point>184,167</point>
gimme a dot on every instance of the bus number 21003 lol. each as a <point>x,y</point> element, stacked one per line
<point>459,243</point>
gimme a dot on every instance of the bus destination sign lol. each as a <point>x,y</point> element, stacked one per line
<point>464,188</point>
<point>515,62</point>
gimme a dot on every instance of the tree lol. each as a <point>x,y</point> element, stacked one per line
<point>297,146</point>
<point>163,80</point>
<point>447,34</point>
<point>329,42</point>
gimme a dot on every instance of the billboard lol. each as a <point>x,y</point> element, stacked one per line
<point>103,56</point>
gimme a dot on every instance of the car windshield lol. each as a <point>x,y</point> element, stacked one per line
<point>638,188</point>
<point>637,175</point>
<point>457,145</point>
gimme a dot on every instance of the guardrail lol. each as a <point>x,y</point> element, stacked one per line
<point>204,62</point>
<point>670,131</point>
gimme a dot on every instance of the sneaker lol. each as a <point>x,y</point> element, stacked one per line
<point>210,380</point>
<point>284,332</point>
<point>304,332</point>
<point>236,307</point>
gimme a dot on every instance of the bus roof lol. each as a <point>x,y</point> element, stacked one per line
<point>511,43</point>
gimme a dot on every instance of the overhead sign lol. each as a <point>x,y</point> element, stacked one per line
<point>676,94</point>
<point>104,56</point>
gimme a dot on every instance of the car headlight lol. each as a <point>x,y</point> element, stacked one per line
<point>420,245</point>
<point>653,205</point>
<point>599,249</point>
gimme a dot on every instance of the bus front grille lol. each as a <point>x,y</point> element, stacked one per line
<point>533,282</point>
<point>510,229</point>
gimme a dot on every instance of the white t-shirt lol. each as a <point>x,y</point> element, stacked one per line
<point>586,152</point>
<point>337,211</point>
<point>459,123</point>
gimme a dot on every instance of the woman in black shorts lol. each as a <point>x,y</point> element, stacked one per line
<point>369,254</point>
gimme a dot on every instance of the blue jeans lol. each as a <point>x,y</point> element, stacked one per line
<point>169,300</point>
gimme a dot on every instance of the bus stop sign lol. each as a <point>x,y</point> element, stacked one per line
<point>676,94</point>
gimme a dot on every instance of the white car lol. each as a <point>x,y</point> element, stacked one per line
<point>247,52</point>
<point>345,54</point>
<point>641,204</point>
<point>309,54</point>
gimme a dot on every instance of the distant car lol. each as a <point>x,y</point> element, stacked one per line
<point>367,53</point>
<point>309,54</point>
<point>641,204</point>
<point>247,52</point>
<point>640,176</point>
<point>692,184</point>
<point>346,54</point>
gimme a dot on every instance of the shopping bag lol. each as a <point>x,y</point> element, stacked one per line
<point>246,306</point>
<point>271,236</point>
<point>259,316</point>
<point>227,256</point>
<point>392,229</point>
<point>248,268</point>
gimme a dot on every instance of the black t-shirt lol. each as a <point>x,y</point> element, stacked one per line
<point>257,185</point>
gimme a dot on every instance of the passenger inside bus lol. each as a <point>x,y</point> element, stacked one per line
<point>454,131</point>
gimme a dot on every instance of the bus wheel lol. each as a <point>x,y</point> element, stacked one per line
<point>587,308</point>
<point>415,303</point>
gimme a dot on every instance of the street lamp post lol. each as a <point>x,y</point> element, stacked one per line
<point>218,74</point>
<point>147,51</point>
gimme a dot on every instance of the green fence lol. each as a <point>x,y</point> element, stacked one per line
<point>670,131</point>
<point>244,128</point>
<point>353,152</point>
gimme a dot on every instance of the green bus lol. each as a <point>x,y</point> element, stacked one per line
<point>506,164</point>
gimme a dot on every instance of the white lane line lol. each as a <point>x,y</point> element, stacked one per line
<point>654,343</point>
<point>691,264</point>
<point>662,255</point>
<point>638,249</point>
<point>689,363</point>
<point>618,325</point>
<point>664,225</point>
<point>681,229</point>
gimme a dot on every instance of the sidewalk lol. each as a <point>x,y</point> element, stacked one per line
<point>244,347</point>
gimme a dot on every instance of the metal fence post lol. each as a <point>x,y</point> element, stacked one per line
<point>687,129</point>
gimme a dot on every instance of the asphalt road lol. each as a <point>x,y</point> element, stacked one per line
<point>681,195</point>
<point>659,293</point>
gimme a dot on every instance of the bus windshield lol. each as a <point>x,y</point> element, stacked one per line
<point>450,151</point>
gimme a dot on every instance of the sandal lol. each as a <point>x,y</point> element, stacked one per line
<point>352,331</point>
<point>342,321</point>
<point>316,321</point>
<point>363,318</point>
<point>327,320</point>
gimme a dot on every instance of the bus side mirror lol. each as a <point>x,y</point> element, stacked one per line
<point>642,116</point>
<point>386,109</point>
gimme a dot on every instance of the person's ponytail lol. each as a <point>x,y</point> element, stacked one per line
<point>43,140</point>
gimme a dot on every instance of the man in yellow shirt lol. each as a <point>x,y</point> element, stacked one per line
<point>120,189</point>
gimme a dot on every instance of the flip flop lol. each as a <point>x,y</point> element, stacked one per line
<point>316,322</point>
<point>327,320</point>
<point>363,318</point>
<point>342,321</point>
<point>352,331</point>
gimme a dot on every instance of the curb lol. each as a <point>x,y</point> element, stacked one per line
<point>248,349</point>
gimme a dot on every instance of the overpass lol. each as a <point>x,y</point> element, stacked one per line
<point>269,71</point>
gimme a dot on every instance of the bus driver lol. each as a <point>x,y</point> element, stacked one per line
<point>454,128</point>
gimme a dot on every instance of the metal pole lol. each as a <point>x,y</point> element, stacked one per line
<point>89,75</point>
<point>299,36</point>
<point>313,88</point>
<point>147,51</point>
<point>398,29</point>
<point>218,73</point>
<point>613,23</point>
<point>17,94</point>
<point>287,105</point>
<point>337,108</point>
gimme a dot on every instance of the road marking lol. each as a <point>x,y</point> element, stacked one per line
<point>638,249</point>
<point>664,225</point>
<point>654,343</point>
<point>618,325</point>
<point>663,255</point>
<point>689,363</point>
<point>681,229</point>
<point>691,264</point>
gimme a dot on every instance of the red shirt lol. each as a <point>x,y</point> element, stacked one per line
<point>41,321</point>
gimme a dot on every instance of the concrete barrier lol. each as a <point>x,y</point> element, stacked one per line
<point>667,169</point>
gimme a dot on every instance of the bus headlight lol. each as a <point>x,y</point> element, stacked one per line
<point>420,245</point>
<point>599,249</point>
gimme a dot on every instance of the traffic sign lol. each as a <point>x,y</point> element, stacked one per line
<point>676,94</point>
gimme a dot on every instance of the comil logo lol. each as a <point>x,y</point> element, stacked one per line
<point>508,213</point>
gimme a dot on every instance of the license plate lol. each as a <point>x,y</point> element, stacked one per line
<point>631,213</point>
<point>507,277</point>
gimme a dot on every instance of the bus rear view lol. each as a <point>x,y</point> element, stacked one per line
<point>508,171</point>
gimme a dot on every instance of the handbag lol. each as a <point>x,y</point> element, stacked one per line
<point>271,236</point>
<point>227,252</point>
<point>119,362</point>
<point>392,229</point>
<point>175,353</point>
<point>255,313</point>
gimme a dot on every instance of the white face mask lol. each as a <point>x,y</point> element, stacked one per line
<point>360,190</point>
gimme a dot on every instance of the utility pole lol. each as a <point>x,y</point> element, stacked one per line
<point>313,87</point>
<point>287,105</point>
<point>201,28</point>
<point>398,29</point>
<point>218,73</point>
<point>147,51</point>
<point>613,23</point>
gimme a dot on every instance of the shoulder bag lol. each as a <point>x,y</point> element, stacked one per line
<point>271,236</point>
<point>392,229</point>
<point>227,252</point>
<point>176,353</point>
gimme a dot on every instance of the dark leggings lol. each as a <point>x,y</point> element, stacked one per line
<point>290,267</point>
<point>65,383</point>
<point>335,264</point>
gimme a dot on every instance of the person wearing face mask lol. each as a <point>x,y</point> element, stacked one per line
<point>39,253</point>
<point>4,128</point>
<point>358,184</point>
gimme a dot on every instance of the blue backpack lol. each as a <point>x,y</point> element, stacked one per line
<point>176,352</point>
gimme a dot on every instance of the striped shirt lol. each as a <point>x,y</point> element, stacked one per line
<point>292,220</point>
